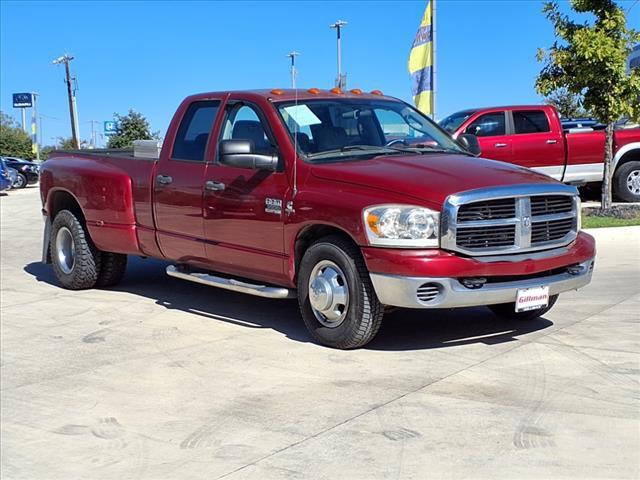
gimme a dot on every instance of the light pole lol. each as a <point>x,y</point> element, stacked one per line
<point>35,138</point>
<point>72,99</point>
<point>341,82</point>
<point>294,72</point>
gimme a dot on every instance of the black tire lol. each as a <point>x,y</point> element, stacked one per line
<point>21,181</point>
<point>363,313</point>
<point>112,269</point>
<point>621,180</point>
<point>507,311</point>
<point>83,271</point>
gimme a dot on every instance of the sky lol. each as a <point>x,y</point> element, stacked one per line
<point>149,55</point>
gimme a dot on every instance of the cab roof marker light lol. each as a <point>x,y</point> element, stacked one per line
<point>356,91</point>
<point>277,91</point>
<point>336,90</point>
<point>376,92</point>
<point>314,91</point>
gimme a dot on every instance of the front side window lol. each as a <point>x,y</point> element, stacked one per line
<point>488,125</point>
<point>530,121</point>
<point>194,130</point>
<point>331,128</point>
<point>453,122</point>
<point>243,123</point>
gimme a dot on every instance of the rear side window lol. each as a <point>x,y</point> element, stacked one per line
<point>194,130</point>
<point>488,125</point>
<point>530,121</point>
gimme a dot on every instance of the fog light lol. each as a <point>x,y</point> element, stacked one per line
<point>474,283</point>
<point>574,269</point>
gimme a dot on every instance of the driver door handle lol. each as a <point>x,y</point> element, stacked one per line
<point>551,141</point>
<point>213,186</point>
<point>500,145</point>
<point>164,179</point>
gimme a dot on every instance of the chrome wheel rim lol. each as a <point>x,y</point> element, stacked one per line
<point>65,250</point>
<point>633,182</point>
<point>20,182</point>
<point>328,293</point>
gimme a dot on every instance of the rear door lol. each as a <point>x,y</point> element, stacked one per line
<point>491,130</point>
<point>534,143</point>
<point>178,184</point>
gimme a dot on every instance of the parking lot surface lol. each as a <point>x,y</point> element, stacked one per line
<point>161,378</point>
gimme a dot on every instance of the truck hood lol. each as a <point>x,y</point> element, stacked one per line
<point>430,177</point>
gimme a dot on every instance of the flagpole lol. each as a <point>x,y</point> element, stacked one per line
<point>433,62</point>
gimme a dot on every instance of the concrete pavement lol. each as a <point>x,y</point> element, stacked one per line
<point>160,378</point>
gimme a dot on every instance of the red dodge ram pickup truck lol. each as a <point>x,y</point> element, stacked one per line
<point>532,136</point>
<point>350,201</point>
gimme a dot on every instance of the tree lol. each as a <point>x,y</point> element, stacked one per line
<point>568,104</point>
<point>590,59</point>
<point>14,142</point>
<point>130,127</point>
<point>67,143</point>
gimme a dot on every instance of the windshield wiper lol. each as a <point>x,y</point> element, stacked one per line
<point>364,149</point>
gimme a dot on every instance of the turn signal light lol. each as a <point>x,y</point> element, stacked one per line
<point>336,90</point>
<point>356,91</point>
<point>376,92</point>
<point>314,91</point>
<point>277,91</point>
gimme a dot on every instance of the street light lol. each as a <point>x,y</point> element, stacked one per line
<point>294,72</point>
<point>341,82</point>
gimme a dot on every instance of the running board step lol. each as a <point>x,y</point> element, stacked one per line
<point>231,284</point>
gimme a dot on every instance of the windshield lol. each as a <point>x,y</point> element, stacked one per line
<point>452,122</point>
<point>352,127</point>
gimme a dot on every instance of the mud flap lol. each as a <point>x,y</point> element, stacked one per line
<point>46,240</point>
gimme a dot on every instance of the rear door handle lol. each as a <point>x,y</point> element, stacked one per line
<point>164,179</point>
<point>500,145</point>
<point>551,141</point>
<point>213,186</point>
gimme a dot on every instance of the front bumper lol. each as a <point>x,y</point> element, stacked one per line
<point>438,292</point>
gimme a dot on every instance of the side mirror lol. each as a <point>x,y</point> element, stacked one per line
<point>241,154</point>
<point>470,143</point>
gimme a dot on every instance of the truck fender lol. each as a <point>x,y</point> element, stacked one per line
<point>622,152</point>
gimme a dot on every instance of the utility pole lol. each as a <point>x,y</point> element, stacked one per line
<point>35,146</point>
<point>294,72</point>
<point>341,81</point>
<point>93,133</point>
<point>72,99</point>
<point>24,121</point>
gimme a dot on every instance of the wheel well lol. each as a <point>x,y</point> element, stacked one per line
<point>630,156</point>
<point>65,201</point>
<point>313,233</point>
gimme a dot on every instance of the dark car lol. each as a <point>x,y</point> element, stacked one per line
<point>28,172</point>
<point>5,176</point>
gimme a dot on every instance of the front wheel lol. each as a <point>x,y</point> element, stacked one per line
<point>507,311</point>
<point>21,181</point>
<point>337,300</point>
<point>626,182</point>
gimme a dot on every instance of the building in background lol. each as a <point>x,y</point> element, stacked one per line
<point>634,58</point>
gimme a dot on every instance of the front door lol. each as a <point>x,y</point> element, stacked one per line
<point>178,185</point>
<point>244,209</point>
<point>491,130</point>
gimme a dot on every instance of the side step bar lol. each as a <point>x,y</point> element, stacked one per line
<point>231,284</point>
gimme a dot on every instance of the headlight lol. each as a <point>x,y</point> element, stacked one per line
<point>402,226</point>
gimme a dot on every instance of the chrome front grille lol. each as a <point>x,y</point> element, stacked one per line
<point>510,219</point>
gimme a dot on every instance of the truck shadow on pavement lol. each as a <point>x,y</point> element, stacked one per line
<point>401,329</point>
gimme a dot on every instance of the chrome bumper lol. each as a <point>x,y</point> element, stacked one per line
<point>401,291</point>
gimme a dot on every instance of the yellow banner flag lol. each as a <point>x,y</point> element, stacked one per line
<point>421,63</point>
